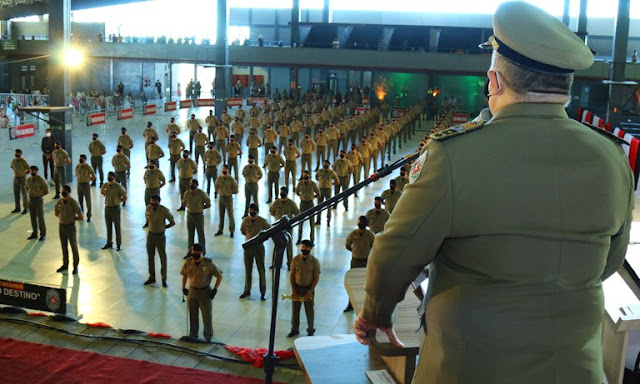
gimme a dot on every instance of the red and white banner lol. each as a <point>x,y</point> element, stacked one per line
<point>97,118</point>
<point>205,102</point>
<point>459,118</point>
<point>149,109</point>
<point>234,102</point>
<point>258,100</point>
<point>170,106</point>
<point>22,131</point>
<point>360,110</point>
<point>185,104</point>
<point>365,101</point>
<point>397,112</point>
<point>126,113</point>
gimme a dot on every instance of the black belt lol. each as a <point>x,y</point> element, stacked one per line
<point>191,213</point>
<point>157,233</point>
<point>152,189</point>
<point>67,225</point>
<point>207,287</point>
<point>35,197</point>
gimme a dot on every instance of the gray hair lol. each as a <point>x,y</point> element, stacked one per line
<point>532,86</point>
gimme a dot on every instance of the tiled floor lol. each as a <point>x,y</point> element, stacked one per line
<point>109,286</point>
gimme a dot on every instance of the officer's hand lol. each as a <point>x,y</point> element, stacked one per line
<point>364,330</point>
<point>213,293</point>
<point>185,291</point>
<point>308,296</point>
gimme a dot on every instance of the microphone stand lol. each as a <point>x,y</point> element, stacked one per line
<point>280,233</point>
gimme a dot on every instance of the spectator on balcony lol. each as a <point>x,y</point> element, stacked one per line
<point>336,43</point>
<point>260,41</point>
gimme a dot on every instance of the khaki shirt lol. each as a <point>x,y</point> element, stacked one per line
<point>120,162</point>
<point>201,139</point>
<point>20,167</point>
<point>125,141</point>
<point>251,227</point>
<point>282,207</point>
<point>296,126</point>
<point>253,142</point>
<point>321,139</point>
<point>241,114</point>
<point>233,149</point>
<point>154,178</point>
<point>226,118</point>
<point>304,271</point>
<point>193,125</point>
<point>266,119</point>
<point>343,167</point>
<point>327,177</point>
<point>274,162</point>
<point>333,133</point>
<point>176,146</point>
<point>374,142</point>
<point>37,186</point>
<point>377,219</point>
<point>226,186</point>
<point>154,152</point>
<point>186,168</point>
<point>173,128</point>
<point>365,150</point>
<point>113,194</point>
<point>391,199</point>
<point>158,218</point>
<point>307,146</point>
<point>84,173</point>
<point>355,158</point>
<point>67,211</point>
<point>307,191</point>
<point>221,133</point>
<point>252,173</point>
<point>284,131</point>
<point>291,153</point>
<point>270,136</point>
<point>254,123</point>
<point>200,274</point>
<point>149,133</point>
<point>212,157</point>
<point>195,200</point>
<point>238,128</point>
<point>211,121</point>
<point>60,157</point>
<point>96,148</point>
<point>360,244</point>
<point>401,182</point>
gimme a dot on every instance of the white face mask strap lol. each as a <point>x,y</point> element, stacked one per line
<point>497,75</point>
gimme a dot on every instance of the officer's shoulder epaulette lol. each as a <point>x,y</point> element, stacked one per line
<point>608,135</point>
<point>458,130</point>
<point>208,259</point>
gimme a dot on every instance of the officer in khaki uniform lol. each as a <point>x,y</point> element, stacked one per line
<point>284,133</point>
<point>356,161</point>
<point>153,181</point>
<point>233,150</point>
<point>126,142</point>
<point>252,174</point>
<point>291,155</point>
<point>391,196</point>
<point>196,201</point>
<point>327,178</point>
<point>160,219</point>
<point>374,142</point>
<point>211,159</point>
<point>308,190</point>
<point>343,128</point>
<point>334,136</point>
<point>193,124</point>
<point>20,169</point>
<point>84,175</point>
<point>176,146</point>
<point>226,187</point>
<point>201,141</point>
<point>212,123</point>
<point>114,194</point>
<point>60,160</point>
<point>186,169</point>
<point>173,128</point>
<point>274,162</point>
<point>199,271</point>
<point>238,129</point>
<point>221,134</point>
<point>226,118</point>
<point>253,143</point>
<point>322,139</point>
<point>68,212</point>
<point>307,146</point>
<point>154,153</point>
<point>402,180</point>
<point>285,206</point>
<point>149,134</point>
<point>254,123</point>
<point>359,242</point>
<point>377,216</point>
<point>97,150</point>
<point>343,169</point>
<point>121,166</point>
<point>365,150</point>
<point>304,276</point>
<point>36,189</point>
<point>296,128</point>
<point>510,265</point>
<point>384,138</point>
<point>270,136</point>
<point>251,226</point>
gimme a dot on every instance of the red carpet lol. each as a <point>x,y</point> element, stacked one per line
<point>30,363</point>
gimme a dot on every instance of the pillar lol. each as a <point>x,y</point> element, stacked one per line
<point>295,24</point>
<point>565,12</point>
<point>222,58</point>
<point>59,32</point>
<point>582,20</point>
<point>325,11</point>
<point>617,94</point>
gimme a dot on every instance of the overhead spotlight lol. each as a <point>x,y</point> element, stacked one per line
<point>73,57</point>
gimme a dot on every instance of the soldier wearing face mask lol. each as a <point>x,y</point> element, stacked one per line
<point>153,181</point>
<point>251,226</point>
<point>374,142</point>
<point>47,147</point>
<point>233,150</point>
<point>68,212</point>
<point>121,166</point>
<point>201,139</point>
<point>402,180</point>
<point>226,186</point>
<point>391,196</point>
<point>252,174</point>
<point>343,168</point>
<point>196,201</point>
<point>154,152</point>
<point>211,159</point>
<point>97,149</point>
<point>356,161</point>
<point>365,150</point>
<point>186,169</point>
<point>20,169</point>
<point>307,146</point>
<point>327,178</point>
<point>377,216</point>
<point>291,154</point>
<point>308,190</point>
<point>114,194</point>
<point>199,271</point>
<point>84,175</point>
<point>304,276</point>
<point>274,162</point>
<point>176,146</point>
<point>321,139</point>
<point>60,160</point>
<point>359,243</point>
<point>36,188</point>
<point>253,143</point>
<point>285,206</point>
<point>160,219</point>
<point>126,142</point>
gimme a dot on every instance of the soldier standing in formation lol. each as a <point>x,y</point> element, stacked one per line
<point>377,216</point>
<point>221,134</point>
<point>196,201</point>
<point>304,276</point>
<point>201,141</point>
<point>391,196</point>
<point>307,146</point>
<point>126,143</point>
<point>359,242</point>
<point>308,190</point>
<point>327,178</point>
<point>176,146</point>
<point>154,152</point>
<point>160,219</point>
<point>47,147</point>
<point>149,135</point>
<point>273,163</point>
<point>84,175</point>
<point>68,212</point>
<point>211,159</point>
<point>60,160</point>
<point>234,150</point>
<point>343,168</point>
<point>121,166</point>
<point>153,181</point>
<point>251,226</point>
<point>193,124</point>
<point>226,187</point>
<point>186,169</point>
<point>97,150</point>
<point>253,143</point>
<point>173,128</point>
<point>212,123</point>
<point>281,207</point>
<point>36,188</point>
<point>252,174</point>
<point>291,155</point>
<point>114,194</point>
<point>20,169</point>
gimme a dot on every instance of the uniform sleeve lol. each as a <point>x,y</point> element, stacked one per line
<point>620,241</point>
<point>412,236</point>
<point>183,270</point>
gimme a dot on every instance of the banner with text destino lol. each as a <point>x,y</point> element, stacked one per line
<point>33,296</point>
